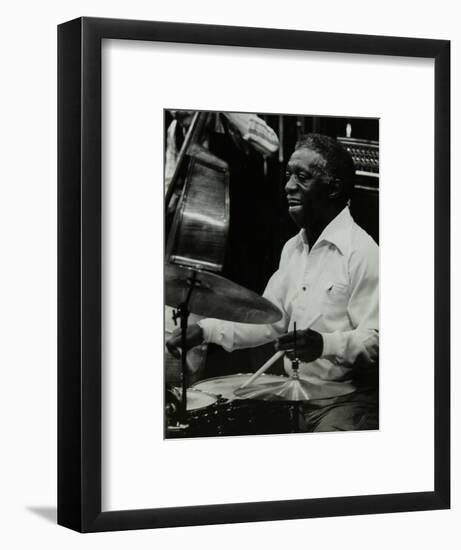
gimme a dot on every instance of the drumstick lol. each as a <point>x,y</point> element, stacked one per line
<point>266,365</point>
<point>275,357</point>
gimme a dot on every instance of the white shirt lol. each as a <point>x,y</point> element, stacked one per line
<point>338,278</point>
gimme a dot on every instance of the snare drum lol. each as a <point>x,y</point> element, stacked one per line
<point>224,386</point>
<point>237,416</point>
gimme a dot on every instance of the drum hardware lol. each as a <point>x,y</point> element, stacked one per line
<point>182,312</point>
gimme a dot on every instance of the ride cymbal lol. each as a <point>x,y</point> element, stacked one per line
<point>211,295</point>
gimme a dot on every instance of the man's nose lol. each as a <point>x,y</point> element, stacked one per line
<point>290,185</point>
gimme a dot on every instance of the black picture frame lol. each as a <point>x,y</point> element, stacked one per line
<point>79,274</point>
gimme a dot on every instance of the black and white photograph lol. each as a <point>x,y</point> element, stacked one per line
<point>271,276</point>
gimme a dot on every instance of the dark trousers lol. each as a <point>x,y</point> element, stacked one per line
<point>357,411</point>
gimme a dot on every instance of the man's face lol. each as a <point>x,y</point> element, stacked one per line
<point>307,188</point>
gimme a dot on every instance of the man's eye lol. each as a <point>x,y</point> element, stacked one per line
<point>302,177</point>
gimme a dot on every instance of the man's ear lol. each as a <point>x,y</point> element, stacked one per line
<point>336,189</point>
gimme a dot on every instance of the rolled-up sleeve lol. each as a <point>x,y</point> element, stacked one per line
<point>255,132</point>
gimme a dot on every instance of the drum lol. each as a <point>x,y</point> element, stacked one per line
<point>214,410</point>
<point>224,386</point>
<point>236,416</point>
<point>200,413</point>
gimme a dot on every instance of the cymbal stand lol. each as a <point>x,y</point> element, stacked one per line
<point>182,313</point>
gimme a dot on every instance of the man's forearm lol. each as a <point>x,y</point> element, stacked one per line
<point>232,336</point>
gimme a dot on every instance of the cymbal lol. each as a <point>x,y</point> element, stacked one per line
<point>292,389</point>
<point>216,296</point>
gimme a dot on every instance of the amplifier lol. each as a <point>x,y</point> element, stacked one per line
<point>365,154</point>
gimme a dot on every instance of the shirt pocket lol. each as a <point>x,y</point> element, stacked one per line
<point>336,296</point>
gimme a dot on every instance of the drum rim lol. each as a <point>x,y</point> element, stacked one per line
<point>233,398</point>
<point>249,374</point>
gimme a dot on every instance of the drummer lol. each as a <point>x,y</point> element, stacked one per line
<point>330,267</point>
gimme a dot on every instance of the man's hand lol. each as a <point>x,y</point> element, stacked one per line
<point>309,345</point>
<point>194,337</point>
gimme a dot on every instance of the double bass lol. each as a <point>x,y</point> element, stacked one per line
<point>197,226</point>
<point>197,204</point>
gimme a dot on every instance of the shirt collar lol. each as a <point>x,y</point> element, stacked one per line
<point>337,232</point>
